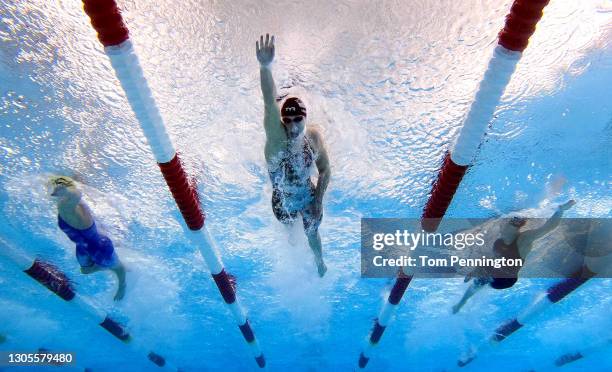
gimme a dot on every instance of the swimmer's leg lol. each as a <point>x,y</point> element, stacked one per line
<point>91,269</point>
<point>116,268</point>
<point>314,240</point>
<point>477,284</point>
<point>311,228</point>
<point>106,258</point>
<point>282,214</point>
<point>119,270</point>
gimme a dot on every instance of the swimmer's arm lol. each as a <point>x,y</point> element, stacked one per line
<point>268,87</point>
<point>272,112</point>
<point>264,49</point>
<point>274,131</point>
<point>272,124</point>
<point>323,168</point>
<point>528,237</point>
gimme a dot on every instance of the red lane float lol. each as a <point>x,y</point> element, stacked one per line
<point>513,39</point>
<point>184,193</point>
<point>444,189</point>
<point>57,282</point>
<point>107,21</point>
<point>49,276</point>
<point>114,36</point>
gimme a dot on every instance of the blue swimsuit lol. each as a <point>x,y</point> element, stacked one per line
<point>91,246</point>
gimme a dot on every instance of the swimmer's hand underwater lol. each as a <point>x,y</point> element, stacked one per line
<point>567,205</point>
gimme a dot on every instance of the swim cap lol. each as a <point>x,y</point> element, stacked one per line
<point>518,221</point>
<point>293,106</point>
<point>57,181</point>
<point>62,180</point>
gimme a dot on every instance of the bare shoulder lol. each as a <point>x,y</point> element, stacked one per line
<point>272,124</point>
<point>272,114</point>
<point>315,136</point>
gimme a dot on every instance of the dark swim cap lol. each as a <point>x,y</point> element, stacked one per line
<point>293,106</point>
<point>518,221</point>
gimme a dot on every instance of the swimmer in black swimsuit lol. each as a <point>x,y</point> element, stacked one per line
<point>291,152</point>
<point>512,244</point>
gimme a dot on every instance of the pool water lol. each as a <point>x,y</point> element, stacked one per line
<point>388,84</point>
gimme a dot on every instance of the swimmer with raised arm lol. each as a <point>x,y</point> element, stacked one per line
<point>512,244</point>
<point>291,150</point>
<point>94,251</point>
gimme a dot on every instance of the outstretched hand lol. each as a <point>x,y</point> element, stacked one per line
<point>265,50</point>
<point>567,205</point>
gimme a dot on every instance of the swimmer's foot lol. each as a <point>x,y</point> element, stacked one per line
<point>321,268</point>
<point>456,308</point>
<point>120,292</point>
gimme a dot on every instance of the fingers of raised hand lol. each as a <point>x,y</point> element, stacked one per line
<point>265,47</point>
<point>268,43</point>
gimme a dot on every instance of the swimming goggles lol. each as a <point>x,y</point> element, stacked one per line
<point>295,119</point>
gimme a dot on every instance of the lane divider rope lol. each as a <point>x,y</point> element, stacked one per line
<point>543,301</point>
<point>520,24</point>
<point>512,40</point>
<point>56,281</point>
<point>112,32</point>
